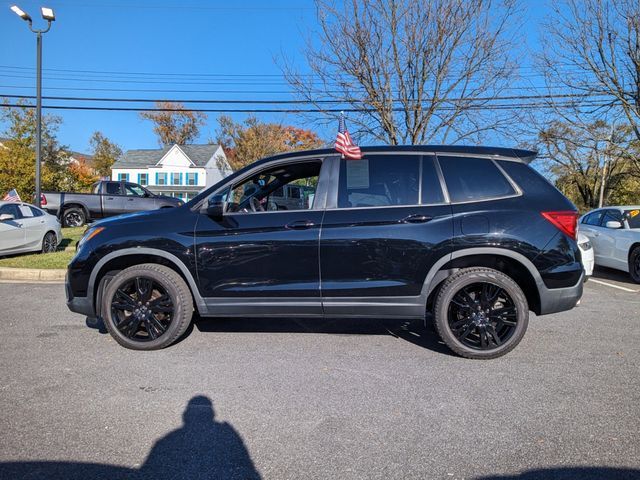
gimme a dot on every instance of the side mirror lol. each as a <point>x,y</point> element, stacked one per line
<point>613,224</point>
<point>216,206</point>
<point>6,217</point>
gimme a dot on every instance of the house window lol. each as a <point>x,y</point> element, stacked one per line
<point>143,178</point>
<point>175,179</point>
<point>161,178</point>
<point>123,177</point>
<point>192,179</point>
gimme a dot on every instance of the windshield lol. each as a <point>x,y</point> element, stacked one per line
<point>633,218</point>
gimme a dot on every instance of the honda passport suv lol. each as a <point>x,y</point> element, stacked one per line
<point>471,236</point>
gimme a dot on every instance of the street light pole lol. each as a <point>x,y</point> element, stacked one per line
<point>48,15</point>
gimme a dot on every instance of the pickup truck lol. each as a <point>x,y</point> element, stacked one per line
<point>107,198</point>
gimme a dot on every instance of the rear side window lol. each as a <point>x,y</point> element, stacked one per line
<point>526,177</point>
<point>379,181</point>
<point>36,212</point>
<point>470,179</point>
<point>431,188</point>
<point>593,218</point>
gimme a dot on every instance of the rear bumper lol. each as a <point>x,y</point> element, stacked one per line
<point>553,300</point>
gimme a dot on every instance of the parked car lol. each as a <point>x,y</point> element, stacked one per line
<point>107,198</point>
<point>472,235</point>
<point>614,233</point>
<point>26,228</point>
<point>290,197</point>
<point>586,250</point>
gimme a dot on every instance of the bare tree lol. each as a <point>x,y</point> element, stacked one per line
<point>410,71</point>
<point>174,124</point>
<point>592,51</point>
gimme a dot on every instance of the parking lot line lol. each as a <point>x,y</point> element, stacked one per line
<point>614,286</point>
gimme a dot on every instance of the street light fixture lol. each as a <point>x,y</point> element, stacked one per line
<point>49,16</point>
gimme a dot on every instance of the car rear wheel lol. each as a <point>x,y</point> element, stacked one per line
<point>49,242</point>
<point>73,217</point>
<point>481,313</point>
<point>634,264</point>
<point>147,307</point>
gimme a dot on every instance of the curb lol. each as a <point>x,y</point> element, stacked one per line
<point>32,274</point>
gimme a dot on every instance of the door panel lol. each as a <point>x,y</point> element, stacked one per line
<point>33,227</point>
<point>112,199</point>
<point>377,240</point>
<point>135,200</point>
<point>12,233</point>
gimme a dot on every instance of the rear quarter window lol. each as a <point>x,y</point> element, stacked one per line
<point>469,179</point>
<point>526,177</point>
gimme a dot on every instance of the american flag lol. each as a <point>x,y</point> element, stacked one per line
<point>12,196</point>
<point>344,144</point>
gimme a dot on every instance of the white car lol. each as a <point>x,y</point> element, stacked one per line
<point>614,233</point>
<point>587,254</point>
<point>26,228</point>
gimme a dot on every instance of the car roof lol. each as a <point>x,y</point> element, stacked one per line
<point>614,207</point>
<point>4,202</point>
<point>525,156</point>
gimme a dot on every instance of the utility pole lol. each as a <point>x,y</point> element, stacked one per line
<point>604,167</point>
<point>48,15</point>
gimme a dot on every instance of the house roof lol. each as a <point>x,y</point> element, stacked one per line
<point>198,154</point>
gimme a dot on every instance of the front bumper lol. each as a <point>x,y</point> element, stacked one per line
<point>82,305</point>
<point>554,300</point>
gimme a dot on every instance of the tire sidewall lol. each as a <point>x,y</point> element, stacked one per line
<point>79,211</point>
<point>157,276</point>
<point>632,260</point>
<point>45,238</point>
<point>449,290</point>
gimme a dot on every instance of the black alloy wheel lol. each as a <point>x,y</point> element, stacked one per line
<point>49,243</point>
<point>481,313</point>
<point>143,309</point>
<point>482,316</point>
<point>73,217</point>
<point>147,307</point>
<point>634,264</point>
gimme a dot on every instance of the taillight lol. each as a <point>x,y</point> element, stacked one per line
<point>565,221</point>
<point>43,199</point>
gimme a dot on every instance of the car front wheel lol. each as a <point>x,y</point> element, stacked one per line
<point>147,307</point>
<point>49,242</point>
<point>634,264</point>
<point>481,313</point>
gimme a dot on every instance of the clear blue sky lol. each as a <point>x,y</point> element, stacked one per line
<point>138,39</point>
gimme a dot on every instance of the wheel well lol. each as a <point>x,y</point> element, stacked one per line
<point>513,268</point>
<point>631,249</point>
<point>67,206</point>
<point>119,263</point>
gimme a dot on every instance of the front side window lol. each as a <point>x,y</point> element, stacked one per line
<point>611,215</point>
<point>257,194</point>
<point>11,209</point>
<point>379,181</point>
<point>112,188</point>
<point>470,179</point>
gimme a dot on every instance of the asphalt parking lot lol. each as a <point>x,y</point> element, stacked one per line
<point>320,399</point>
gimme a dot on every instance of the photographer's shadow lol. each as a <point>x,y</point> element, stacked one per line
<point>201,449</point>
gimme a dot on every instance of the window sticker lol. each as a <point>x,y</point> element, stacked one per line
<point>357,174</point>
<point>634,213</point>
<point>26,211</point>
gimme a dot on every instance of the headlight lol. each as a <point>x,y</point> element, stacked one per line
<point>585,245</point>
<point>88,235</point>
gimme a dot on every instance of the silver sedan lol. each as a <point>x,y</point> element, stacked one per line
<point>26,228</point>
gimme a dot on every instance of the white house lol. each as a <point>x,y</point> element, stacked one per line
<point>180,170</point>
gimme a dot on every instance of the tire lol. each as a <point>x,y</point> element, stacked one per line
<point>137,290</point>
<point>634,264</point>
<point>49,242</point>
<point>74,217</point>
<point>481,313</point>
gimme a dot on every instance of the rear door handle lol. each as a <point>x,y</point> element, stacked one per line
<point>417,219</point>
<point>109,198</point>
<point>300,225</point>
<point>130,199</point>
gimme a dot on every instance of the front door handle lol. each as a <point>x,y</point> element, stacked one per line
<point>300,225</point>
<point>417,219</point>
<point>109,198</point>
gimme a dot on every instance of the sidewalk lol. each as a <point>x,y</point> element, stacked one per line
<point>32,275</point>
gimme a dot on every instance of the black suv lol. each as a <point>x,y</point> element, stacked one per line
<point>472,235</point>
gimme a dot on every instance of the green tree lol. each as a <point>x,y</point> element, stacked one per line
<point>105,153</point>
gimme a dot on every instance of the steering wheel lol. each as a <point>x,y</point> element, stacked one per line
<point>255,205</point>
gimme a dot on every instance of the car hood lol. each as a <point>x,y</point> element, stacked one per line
<point>142,216</point>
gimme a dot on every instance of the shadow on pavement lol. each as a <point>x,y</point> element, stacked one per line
<point>412,331</point>
<point>571,473</point>
<point>201,449</point>
<point>604,273</point>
